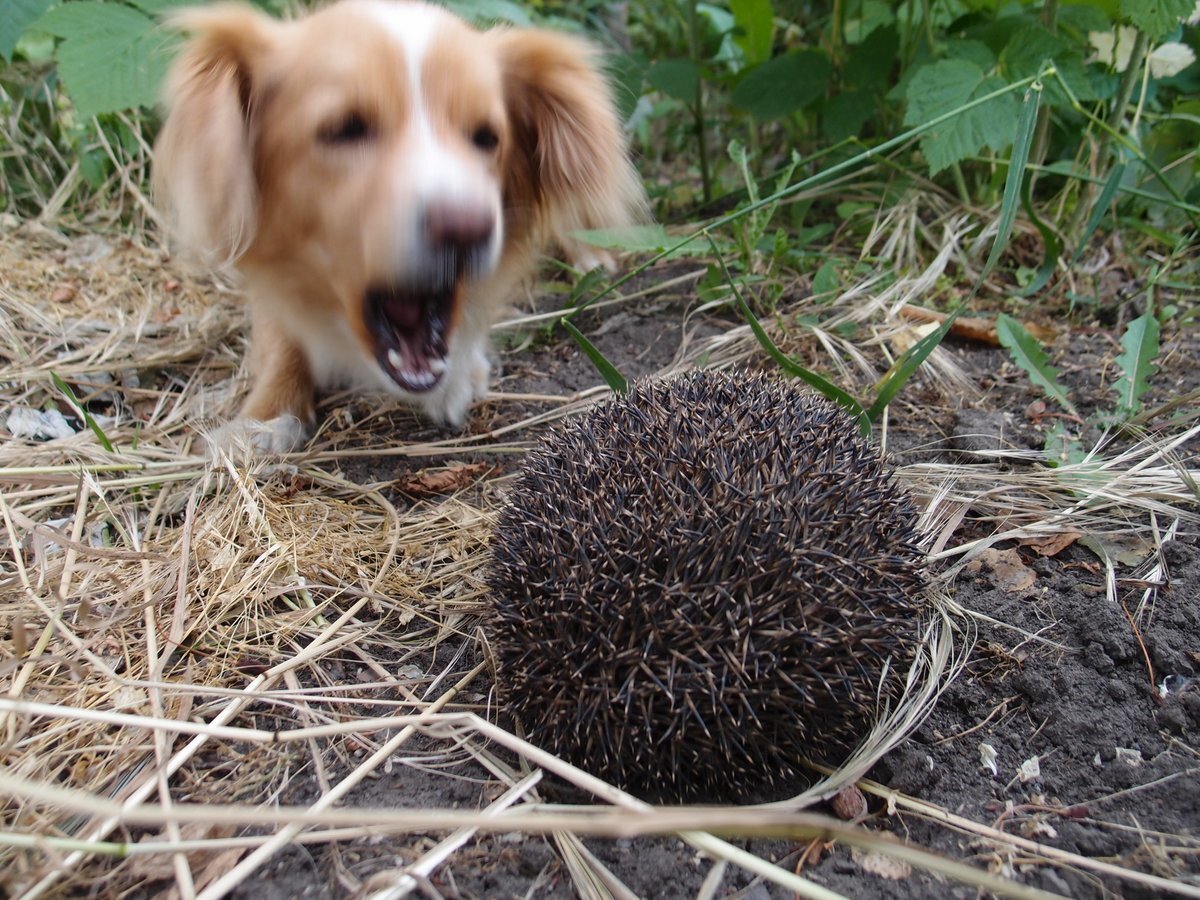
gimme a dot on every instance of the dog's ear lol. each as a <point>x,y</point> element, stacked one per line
<point>568,165</point>
<point>204,157</point>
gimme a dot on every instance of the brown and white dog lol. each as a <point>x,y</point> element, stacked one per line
<point>382,175</point>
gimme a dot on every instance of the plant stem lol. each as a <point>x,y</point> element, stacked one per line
<point>910,42</point>
<point>698,103</point>
<point>1042,133</point>
<point>836,27</point>
<point>960,184</point>
<point>1116,116</point>
<point>1130,78</point>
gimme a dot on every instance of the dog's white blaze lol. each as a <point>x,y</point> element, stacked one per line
<point>426,166</point>
<point>413,26</point>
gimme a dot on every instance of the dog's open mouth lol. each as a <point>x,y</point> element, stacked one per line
<point>409,325</point>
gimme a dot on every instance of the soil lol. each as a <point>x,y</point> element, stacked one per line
<point>1076,722</point>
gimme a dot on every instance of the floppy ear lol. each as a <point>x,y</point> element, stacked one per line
<point>204,162</point>
<point>569,162</point>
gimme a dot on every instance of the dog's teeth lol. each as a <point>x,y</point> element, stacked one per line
<point>394,360</point>
<point>437,366</point>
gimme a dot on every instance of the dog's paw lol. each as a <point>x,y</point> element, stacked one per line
<point>466,382</point>
<point>244,438</point>
<point>584,257</point>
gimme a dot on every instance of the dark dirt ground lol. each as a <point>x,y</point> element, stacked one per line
<point>1119,763</point>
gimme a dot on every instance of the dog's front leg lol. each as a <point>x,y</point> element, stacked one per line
<point>280,413</point>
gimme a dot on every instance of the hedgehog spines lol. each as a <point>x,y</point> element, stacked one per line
<point>707,575</point>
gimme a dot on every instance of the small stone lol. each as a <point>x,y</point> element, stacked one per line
<point>849,803</point>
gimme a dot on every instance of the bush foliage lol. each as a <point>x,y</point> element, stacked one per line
<point>740,110</point>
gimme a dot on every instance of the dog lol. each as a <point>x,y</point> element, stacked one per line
<point>382,175</point>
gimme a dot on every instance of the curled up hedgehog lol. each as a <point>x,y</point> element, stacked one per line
<point>703,583</point>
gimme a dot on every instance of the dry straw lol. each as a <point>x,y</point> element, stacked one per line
<point>203,662</point>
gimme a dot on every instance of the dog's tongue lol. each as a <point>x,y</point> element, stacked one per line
<point>404,313</point>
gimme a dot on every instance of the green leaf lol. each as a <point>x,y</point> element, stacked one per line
<point>972,51</point>
<point>756,28</point>
<point>627,75</point>
<point>483,12</point>
<point>783,85</point>
<point>826,279</point>
<point>678,78</point>
<point>1140,343</point>
<point>1061,448</point>
<point>1016,174</point>
<point>943,87</point>
<point>588,282</point>
<point>844,115</point>
<point>630,238</point>
<point>15,17</point>
<point>1031,46</point>
<point>112,56</point>
<point>610,373</point>
<point>66,391</point>
<point>1028,354</point>
<point>1156,17</point>
<point>871,62</point>
<point>638,239</point>
<point>157,7</point>
<point>869,16</point>
<point>1101,207</point>
<point>907,365</point>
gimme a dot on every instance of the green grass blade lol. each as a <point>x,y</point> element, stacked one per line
<point>91,423</point>
<point>1026,123</point>
<point>1049,240</point>
<point>1028,354</point>
<point>610,373</point>
<point>1101,207</point>
<point>870,154</point>
<point>906,365</point>
<point>1178,201</point>
<point>1140,343</point>
<point>825,387</point>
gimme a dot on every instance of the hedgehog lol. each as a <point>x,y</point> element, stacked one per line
<point>700,585</point>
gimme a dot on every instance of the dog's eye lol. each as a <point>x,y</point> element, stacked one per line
<point>485,138</point>
<point>350,129</point>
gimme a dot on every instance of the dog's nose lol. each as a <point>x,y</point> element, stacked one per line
<point>458,227</point>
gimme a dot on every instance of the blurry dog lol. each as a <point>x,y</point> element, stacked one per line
<point>382,175</point>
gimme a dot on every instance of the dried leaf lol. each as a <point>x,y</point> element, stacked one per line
<point>1131,758</point>
<point>159,866</point>
<point>875,863</point>
<point>1038,828</point>
<point>1052,544</point>
<point>971,328</point>
<point>987,756</point>
<point>1012,575</point>
<point>1127,551</point>
<point>443,481</point>
<point>1030,770</point>
<point>905,338</point>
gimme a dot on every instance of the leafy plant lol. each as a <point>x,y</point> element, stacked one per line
<point>1140,346</point>
<point>1029,355</point>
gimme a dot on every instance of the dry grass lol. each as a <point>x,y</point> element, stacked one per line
<point>191,648</point>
